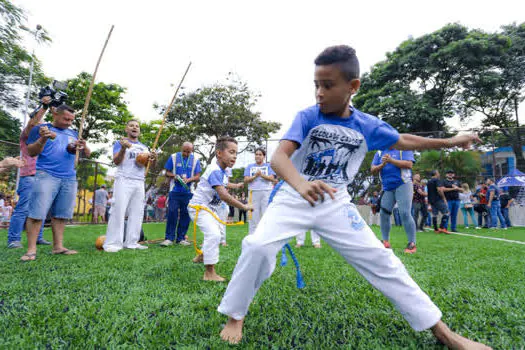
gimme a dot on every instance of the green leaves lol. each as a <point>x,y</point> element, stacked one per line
<point>217,110</point>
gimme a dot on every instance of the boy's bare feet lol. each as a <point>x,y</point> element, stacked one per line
<point>455,341</point>
<point>211,275</point>
<point>199,259</point>
<point>298,245</point>
<point>232,331</point>
<point>317,245</point>
<point>224,244</point>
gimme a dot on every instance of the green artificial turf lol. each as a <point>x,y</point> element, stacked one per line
<point>156,299</point>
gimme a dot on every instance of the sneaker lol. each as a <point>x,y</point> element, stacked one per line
<point>184,242</point>
<point>15,245</point>
<point>477,228</point>
<point>437,231</point>
<point>166,243</point>
<point>444,230</point>
<point>112,249</point>
<point>493,228</point>
<point>504,228</point>
<point>411,248</point>
<point>43,242</point>
<point>466,227</point>
<point>387,244</point>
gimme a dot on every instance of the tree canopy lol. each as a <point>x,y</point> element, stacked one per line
<point>202,116</point>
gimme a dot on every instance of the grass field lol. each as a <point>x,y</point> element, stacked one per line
<point>156,299</point>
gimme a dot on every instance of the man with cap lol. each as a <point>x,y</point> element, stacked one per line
<point>452,187</point>
<point>100,200</point>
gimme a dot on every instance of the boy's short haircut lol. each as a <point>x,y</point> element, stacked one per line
<point>222,142</point>
<point>342,55</point>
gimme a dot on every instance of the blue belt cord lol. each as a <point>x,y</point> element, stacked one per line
<point>284,259</point>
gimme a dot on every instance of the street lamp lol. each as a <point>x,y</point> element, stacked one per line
<point>26,106</point>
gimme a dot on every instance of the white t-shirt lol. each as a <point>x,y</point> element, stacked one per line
<point>205,193</point>
<point>128,168</point>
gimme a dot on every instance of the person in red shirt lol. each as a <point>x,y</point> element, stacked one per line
<point>160,210</point>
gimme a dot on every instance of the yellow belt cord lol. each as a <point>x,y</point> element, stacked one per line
<point>215,216</point>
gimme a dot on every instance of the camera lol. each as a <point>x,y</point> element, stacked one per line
<point>58,97</point>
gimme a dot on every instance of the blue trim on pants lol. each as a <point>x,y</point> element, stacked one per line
<point>18,219</point>
<point>178,216</point>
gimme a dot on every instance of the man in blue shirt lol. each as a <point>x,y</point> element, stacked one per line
<point>494,205</point>
<point>55,185</point>
<point>395,167</point>
<point>183,168</point>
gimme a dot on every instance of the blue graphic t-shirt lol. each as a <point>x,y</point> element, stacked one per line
<point>183,167</point>
<point>332,148</point>
<point>55,159</point>
<point>391,176</point>
<point>259,184</point>
<point>206,194</point>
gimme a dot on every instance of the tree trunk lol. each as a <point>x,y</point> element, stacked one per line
<point>517,145</point>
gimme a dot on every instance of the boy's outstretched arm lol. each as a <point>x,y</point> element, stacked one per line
<point>413,142</point>
<point>284,168</point>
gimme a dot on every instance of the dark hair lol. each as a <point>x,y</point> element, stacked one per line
<point>342,55</point>
<point>433,173</point>
<point>62,108</point>
<point>260,149</point>
<point>222,142</point>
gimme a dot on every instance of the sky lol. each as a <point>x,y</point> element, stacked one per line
<point>269,44</point>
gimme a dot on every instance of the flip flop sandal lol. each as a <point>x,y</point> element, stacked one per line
<point>28,257</point>
<point>65,252</point>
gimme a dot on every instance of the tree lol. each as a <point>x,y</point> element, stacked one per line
<point>14,67</point>
<point>204,115</point>
<point>414,89</point>
<point>107,109</point>
<point>499,86</point>
<point>466,164</point>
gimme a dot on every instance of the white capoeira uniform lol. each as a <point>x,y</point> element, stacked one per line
<point>331,149</point>
<point>128,195</point>
<point>260,190</point>
<point>301,238</point>
<point>206,195</point>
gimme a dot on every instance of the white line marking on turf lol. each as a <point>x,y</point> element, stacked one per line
<point>493,238</point>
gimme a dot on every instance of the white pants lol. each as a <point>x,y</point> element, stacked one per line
<point>129,201</point>
<point>260,203</point>
<point>210,227</point>
<point>339,224</point>
<point>313,235</point>
<point>223,215</point>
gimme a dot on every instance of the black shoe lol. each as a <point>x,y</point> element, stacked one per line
<point>43,242</point>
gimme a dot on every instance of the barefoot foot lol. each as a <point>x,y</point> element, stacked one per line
<point>212,276</point>
<point>455,341</point>
<point>232,331</point>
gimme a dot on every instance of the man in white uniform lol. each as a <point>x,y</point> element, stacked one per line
<point>128,192</point>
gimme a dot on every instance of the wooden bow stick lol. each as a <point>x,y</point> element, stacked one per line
<point>166,114</point>
<point>90,91</point>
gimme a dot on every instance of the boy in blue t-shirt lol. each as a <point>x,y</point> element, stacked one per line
<point>318,157</point>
